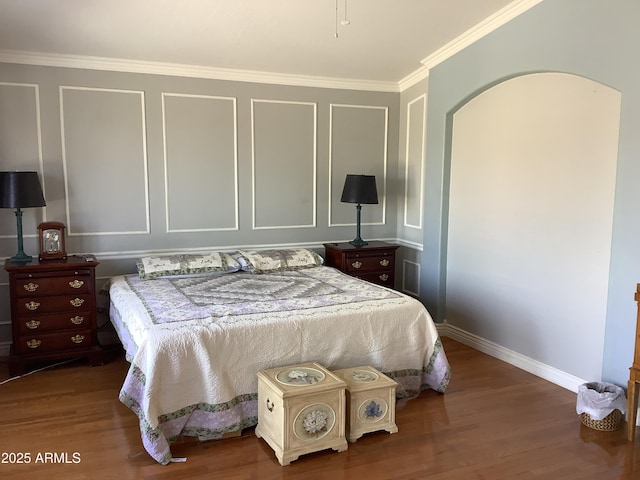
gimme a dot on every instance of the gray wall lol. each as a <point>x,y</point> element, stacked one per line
<point>138,163</point>
<point>591,38</point>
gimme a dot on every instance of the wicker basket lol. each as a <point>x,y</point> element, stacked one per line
<point>608,424</point>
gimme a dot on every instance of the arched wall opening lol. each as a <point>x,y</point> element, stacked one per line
<point>529,216</point>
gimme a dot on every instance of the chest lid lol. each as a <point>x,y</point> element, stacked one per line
<point>301,379</point>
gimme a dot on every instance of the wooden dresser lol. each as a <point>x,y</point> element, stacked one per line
<point>53,311</point>
<point>375,262</point>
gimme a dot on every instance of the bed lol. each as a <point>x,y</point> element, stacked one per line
<point>196,329</point>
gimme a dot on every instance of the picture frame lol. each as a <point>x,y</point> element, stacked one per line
<point>52,241</point>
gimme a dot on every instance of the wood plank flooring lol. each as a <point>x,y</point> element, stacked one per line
<point>494,422</point>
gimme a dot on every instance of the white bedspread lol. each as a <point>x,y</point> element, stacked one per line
<point>198,350</point>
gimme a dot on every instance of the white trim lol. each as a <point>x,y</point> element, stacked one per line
<point>134,254</point>
<point>36,93</point>
<point>314,207</point>
<point>488,25</point>
<point>141,93</point>
<point>422,97</point>
<point>166,161</point>
<point>191,71</point>
<point>407,243</point>
<point>384,163</point>
<point>404,277</point>
<point>413,78</point>
<point>551,374</point>
<point>475,33</point>
<point>5,349</point>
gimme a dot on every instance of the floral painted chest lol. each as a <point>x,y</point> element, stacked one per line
<point>301,409</point>
<point>371,401</point>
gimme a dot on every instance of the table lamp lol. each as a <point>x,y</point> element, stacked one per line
<point>20,190</point>
<point>359,189</point>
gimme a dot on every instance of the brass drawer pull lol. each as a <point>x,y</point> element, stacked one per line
<point>385,262</point>
<point>31,287</point>
<point>77,339</point>
<point>76,283</point>
<point>32,305</point>
<point>77,320</point>
<point>33,343</point>
<point>32,324</point>
<point>76,302</point>
<point>356,264</point>
<point>270,405</point>
<point>384,277</point>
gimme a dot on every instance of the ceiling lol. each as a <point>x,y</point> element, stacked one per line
<point>386,41</point>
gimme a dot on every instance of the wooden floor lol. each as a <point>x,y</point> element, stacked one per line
<point>494,422</point>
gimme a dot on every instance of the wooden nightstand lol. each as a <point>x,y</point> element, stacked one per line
<point>53,311</point>
<point>375,262</point>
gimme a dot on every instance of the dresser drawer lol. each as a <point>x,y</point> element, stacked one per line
<point>28,286</point>
<point>53,311</point>
<point>49,342</point>
<point>35,324</point>
<point>61,303</point>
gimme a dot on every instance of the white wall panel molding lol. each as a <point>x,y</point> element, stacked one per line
<point>269,174</point>
<point>211,125</point>
<point>411,278</point>
<point>20,163</point>
<point>414,161</point>
<point>85,133</point>
<point>134,254</point>
<point>335,169</point>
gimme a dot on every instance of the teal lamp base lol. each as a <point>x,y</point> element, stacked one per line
<point>20,257</point>
<point>358,242</point>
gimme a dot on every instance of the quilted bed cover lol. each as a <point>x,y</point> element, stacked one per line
<point>196,344</point>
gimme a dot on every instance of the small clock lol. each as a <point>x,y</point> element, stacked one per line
<point>51,236</point>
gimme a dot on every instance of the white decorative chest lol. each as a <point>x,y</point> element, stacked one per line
<point>301,409</point>
<point>371,401</point>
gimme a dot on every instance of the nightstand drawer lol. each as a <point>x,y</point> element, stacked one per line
<point>49,342</point>
<point>53,311</point>
<point>35,324</point>
<point>362,263</point>
<point>374,262</point>
<point>381,278</point>
<point>61,303</point>
<point>29,286</point>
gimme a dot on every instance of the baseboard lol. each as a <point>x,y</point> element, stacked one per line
<point>551,374</point>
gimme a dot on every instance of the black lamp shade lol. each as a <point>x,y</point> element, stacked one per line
<point>360,189</point>
<point>20,190</point>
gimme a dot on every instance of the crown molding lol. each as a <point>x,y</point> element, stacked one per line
<point>413,78</point>
<point>495,21</point>
<point>475,33</point>
<point>191,71</point>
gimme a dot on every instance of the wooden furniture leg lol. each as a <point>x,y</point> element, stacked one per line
<point>632,398</point>
<point>634,378</point>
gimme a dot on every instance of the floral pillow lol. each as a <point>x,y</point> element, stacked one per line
<point>264,261</point>
<point>187,264</point>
